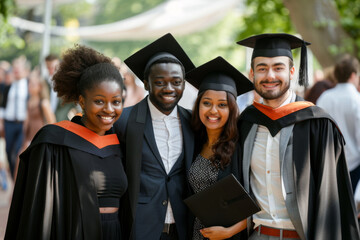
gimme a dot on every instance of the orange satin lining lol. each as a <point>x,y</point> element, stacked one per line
<point>87,134</point>
<point>280,112</point>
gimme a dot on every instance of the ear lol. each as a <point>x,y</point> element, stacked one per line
<point>251,75</point>
<point>82,102</point>
<point>146,85</point>
<point>354,79</point>
<point>292,72</point>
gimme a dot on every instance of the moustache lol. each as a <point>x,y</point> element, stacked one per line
<point>267,81</point>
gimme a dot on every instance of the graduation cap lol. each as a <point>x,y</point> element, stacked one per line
<point>279,44</point>
<point>164,47</point>
<point>219,75</point>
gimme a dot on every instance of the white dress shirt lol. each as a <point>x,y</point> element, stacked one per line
<point>169,141</point>
<point>53,95</point>
<point>16,106</point>
<point>343,104</point>
<point>266,181</point>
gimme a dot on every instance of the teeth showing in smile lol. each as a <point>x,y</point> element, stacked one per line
<point>106,118</point>
<point>169,98</point>
<point>213,118</point>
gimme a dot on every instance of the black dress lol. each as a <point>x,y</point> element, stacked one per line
<point>202,174</point>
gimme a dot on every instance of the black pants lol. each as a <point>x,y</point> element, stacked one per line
<point>172,235</point>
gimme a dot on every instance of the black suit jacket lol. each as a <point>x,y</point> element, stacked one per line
<point>144,206</point>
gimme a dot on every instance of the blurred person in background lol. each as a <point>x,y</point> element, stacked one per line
<point>14,110</point>
<point>134,92</point>
<point>321,85</point>
<point>343,104</point>
<point>4,88</point>
<point>39,111</point>
<point>52,61</point>
<point>63,111</point>
<point>5,67</point>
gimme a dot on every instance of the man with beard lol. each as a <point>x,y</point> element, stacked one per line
<point>158,143</point>
<point>293,152</point>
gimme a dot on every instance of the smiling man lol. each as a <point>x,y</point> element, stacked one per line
<point>293,159</point>
<point>158,144</point>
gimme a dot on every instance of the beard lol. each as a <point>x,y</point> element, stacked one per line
<point>272,94</point>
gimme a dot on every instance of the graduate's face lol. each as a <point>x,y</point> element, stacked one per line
<point>102,106</point>
<point>165,85</point>
<point>214,109</point>
<point>272,76</point>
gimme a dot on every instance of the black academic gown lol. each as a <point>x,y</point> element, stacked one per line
<point>325,204</point>
<point>54,195</point>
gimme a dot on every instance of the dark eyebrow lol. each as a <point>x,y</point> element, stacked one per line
<point>222,100</point>
<point>279,64</point>
<point>275,64</point>
<point>261,65</point>
<point>99,95</point>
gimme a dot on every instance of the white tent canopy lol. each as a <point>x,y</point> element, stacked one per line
<point>179,17</point>
<point>32,3</point>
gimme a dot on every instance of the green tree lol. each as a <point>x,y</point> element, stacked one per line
<point>16,42</point>
<point>8,36</point>
<point>332,26</point>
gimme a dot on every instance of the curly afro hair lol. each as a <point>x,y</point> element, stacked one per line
<point>81,69</point>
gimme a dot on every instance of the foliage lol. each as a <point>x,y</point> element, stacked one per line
<point>5,7</point>
<point>272,16</point>
<point>349,11</point>
<point>19,42</point>
<point>82,13</point>
<point>265,16</point>
<point>257,16</point>
<point>8,36</point>
<point>114,10</point>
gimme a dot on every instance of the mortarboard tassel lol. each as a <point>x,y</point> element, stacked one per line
<point>303,71</point>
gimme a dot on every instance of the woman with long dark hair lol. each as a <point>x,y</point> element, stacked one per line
<point>214,122</point>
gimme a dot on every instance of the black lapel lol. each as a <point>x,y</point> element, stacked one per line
<point>150,139</point>
<point>134,141</point>
<point>188,136</point>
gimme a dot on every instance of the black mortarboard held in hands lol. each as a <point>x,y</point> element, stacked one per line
<point>164,47</point>
<point>219,75</point>
<point>279,44</point>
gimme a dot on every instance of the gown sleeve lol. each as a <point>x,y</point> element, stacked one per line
<point>41,207</point>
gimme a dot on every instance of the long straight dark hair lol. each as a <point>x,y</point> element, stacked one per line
<point>225,146</point>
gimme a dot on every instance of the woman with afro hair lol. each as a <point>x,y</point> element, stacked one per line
<point>70,179</point>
